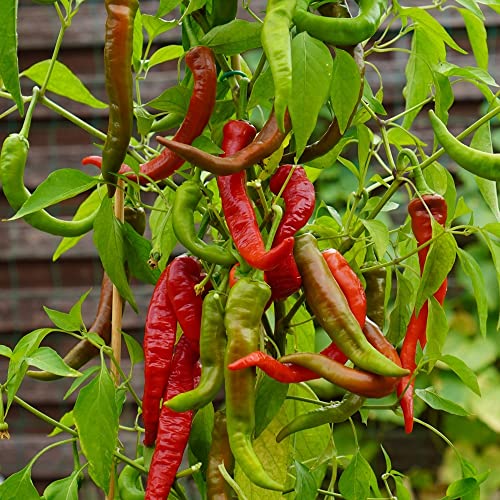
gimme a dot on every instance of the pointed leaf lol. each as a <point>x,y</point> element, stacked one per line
<point>305,486</point>
<point>108,239</point>
<point>311,76</point>
<point>437,402</point>
<point>346,86</point>
<point>164,54</point>
<point>98,442</point>
<point>380,235</point>
<point>234,37</point>
<point>155,25</point>
<point>9,64</point>
<point>268,400</point>
<point>134,349</point>
<point>45,358</point>
<point>63,82</point>
<point>59,186</point>
<point>476,31</point>
<point>19,485</point>
<point>64,321</point>
<point>86,374</point>
<point>467,376</point>
<point>436,331</point>
<point>354,483</point>
<point>63,489</point>
<point>67,419</point>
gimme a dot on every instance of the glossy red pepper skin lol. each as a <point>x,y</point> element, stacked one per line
<point>159,339</point>
<point>174,427</point>
<point>238,210</point>
<point>299,197</point>
<point>349,283</point>
<point>420,210</point>
<point>185,273</point>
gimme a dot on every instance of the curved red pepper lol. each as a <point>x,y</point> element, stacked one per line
<point>238,209</point>
<point>174,427</point>
<point>159,339</point>
<point>185,273</point>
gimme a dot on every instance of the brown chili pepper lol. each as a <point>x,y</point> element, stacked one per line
<point>267,141</point>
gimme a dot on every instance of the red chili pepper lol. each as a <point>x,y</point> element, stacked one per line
<point>238,209</point>
<point>420,210</point>
<point>200,60</point>
<point>159,340</point>
<point>185,273</point>
<point>299,198</point>
<point>174,427</point>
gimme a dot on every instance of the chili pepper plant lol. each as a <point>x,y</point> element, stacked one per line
<point>298,233</point>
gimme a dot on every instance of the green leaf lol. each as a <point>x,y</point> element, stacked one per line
<point>98,438</point>
<point>311,76</point>
<point>437,402</point>
<point>67,419</point>
<point>86,374</point>
<point>467,376</point>
<point>45,358</point>
<point>70,322</point>
<point>495,254</point>
<point>63,82</point>
<point>354,483</point>
<point>167,6</point>
<point>134,349</point>
<point>472,8</point>
<point>431,25</point>
<point>472,269</point>
<point>345,88</point>
<point>263,90</point>
<point>155,26</point>
<point>88,206</point>
<point>461,487</point>
<point>401,312</point>
<point>164,54</point>
<point>380,235</point>
<point>173,100</point>
<point>427,50</point>
<point>268,400</point>
<point>476,31</point>
<point>401,490</point>
<point>234,37</point>
<point>436,331</point>
<point>200,437</point>
<point>108,239</point>
<point>58,186</point>
<point>18,365</point>
<point>138,41</point>
<point>438,264</point>
<point>9,64</point>
<point>137,251</point>
<point>5,351</point>
<point>305,486</point>
<point>63,489</point>
<point>19,485</point>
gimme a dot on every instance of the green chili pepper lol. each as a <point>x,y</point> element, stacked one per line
<point>330,307</point>
<point>12,164</point>
<point>341,31</point>
<point>118,48</point>
<point>186,200</point>
<point>212,347</point>
<point>375,295</point>
<point>129,484</point>
<point>334,413</point>
<point>244,309</point>
<point>480,163</point>
<point>276,43</point>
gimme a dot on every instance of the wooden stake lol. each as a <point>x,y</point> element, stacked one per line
<point>116,325</point>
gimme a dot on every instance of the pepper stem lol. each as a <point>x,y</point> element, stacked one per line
<point>278,214</point>
<point>29,114</point>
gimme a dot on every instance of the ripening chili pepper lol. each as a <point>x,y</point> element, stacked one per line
<point>359,382</point>
<point>276,42</point>
<point>159,339</point>
<point>341,31</point>
<point>375,294</point>
<point>480,163</point>
<point>84,351</point>
<point>173,427</point>
<point>129,482</point>
<point>185,273</point>
<point>334,413</point>
<point>212,347</point>
<point>13,158</point>
<point>331,309</point>
<point>186,199</point>
<point>244,309</point>
<point>348,282</point>
<point>219,453</point>
<point>421,209</point>
<point>118,47</point>
<point>267,141</point>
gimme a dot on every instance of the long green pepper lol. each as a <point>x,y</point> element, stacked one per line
<point>186,200</point>
<point>212,347</point>
<point>341,31</point>
<point>244,309</point>
<point>276,43</point>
